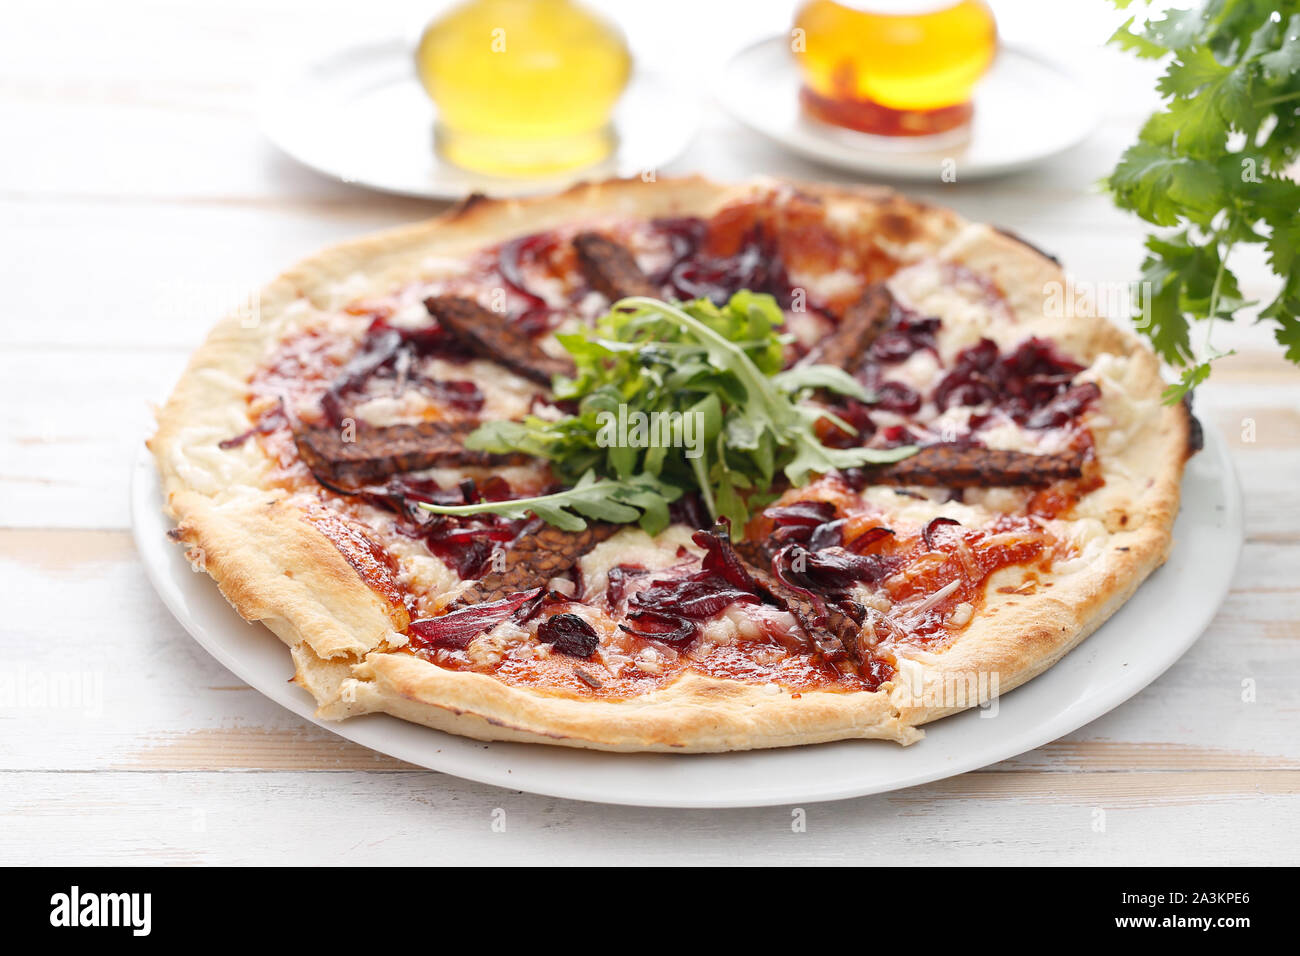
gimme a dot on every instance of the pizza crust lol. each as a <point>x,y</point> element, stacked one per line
<point>274,566</point>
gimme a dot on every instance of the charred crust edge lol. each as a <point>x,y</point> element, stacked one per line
<point>1016,237</point>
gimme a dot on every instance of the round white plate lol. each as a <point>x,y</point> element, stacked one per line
<point>1132,649</point>
<point>1026,110</point>
<point>360,115</point>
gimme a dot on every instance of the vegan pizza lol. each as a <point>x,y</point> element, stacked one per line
<point>674,466</point>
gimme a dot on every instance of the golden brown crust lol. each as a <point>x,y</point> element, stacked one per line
<point>277,567</point>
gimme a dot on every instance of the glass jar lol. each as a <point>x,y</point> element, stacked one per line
<point>893,67</point>
<point>523,87</point>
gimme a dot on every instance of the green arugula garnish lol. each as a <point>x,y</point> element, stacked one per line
<point>1211,166</point>
<point>675,399</point>
<point>642,499</point>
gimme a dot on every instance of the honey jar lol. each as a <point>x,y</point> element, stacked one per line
<point>893,67</point>
<point>523,87</point>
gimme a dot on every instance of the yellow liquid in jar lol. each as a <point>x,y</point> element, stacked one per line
<point>904,72</point>
<point>523,87</point>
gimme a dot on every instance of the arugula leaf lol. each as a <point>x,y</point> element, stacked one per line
<point>621,502</point>
<point>1210,165</point>
<point>715,412</point>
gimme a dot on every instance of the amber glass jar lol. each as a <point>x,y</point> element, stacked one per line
<point>893,67</point>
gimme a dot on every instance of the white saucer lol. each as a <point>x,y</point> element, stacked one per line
<point>1130,650</point>
<point>360,115</point>
<point>1026,110</point>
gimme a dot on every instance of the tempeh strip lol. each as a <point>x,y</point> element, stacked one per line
<point>374,453</point>
<point>540,553</point>
<point>611,268</point>
<point>491,336</point>
<point>952,465</point>
<point>861,323</point>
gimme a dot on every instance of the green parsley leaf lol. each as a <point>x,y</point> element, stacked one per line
<point>1210,165</point>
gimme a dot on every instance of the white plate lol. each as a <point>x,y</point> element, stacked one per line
<point>360,115</point>
<point>1130,651</point>
<point>1026,110</point>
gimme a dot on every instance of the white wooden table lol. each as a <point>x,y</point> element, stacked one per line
<point>132,168</point>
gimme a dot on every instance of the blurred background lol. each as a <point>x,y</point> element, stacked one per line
<point>157,103</point>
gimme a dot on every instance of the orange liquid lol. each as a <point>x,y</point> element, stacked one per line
<point>894,69</point>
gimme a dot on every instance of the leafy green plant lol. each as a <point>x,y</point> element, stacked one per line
<point>730,420</point>
<point>1211,165</point>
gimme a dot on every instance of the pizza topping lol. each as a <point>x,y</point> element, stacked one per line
<point>676,604</point>
<point>906,335</point>
<point>963,465</point>
<point>686,235</point>
<point>694,598</point>
<point>391,351</point>
<point>611,268</point>
<point>455,630</point>
<point>362,453</point>
<point>569,634</point>
<point>670,629</point>
<point>512,258</point>
<point>927,533</point>
<point>707,380</point>
<point>1064,407</point>
<point>494,337</point>
<point>1026,379</point>
<point>540,553</point>
<point>755,266</point>
<point>463,544</point>
<point>860,327</point>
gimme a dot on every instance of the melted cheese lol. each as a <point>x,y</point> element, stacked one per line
<point>808,328</point>
<point>919,510</point>
<point>422,574</point>
<point>829,285</point>
<point>920,371</point>
<point>633,546</point>
<point>506,396</point>
<point>1120,416</point>
<point>407,407</point>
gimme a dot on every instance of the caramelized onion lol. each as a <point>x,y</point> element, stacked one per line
<point>927,533</point>
<point>454,631</point>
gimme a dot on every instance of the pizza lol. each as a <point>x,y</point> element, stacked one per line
<point>674,466</point>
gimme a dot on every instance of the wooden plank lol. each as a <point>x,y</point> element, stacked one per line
<point>1226,818</point>
<point>72,288</point>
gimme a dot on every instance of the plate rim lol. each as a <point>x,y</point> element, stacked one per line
<point>723,84</point>
<point>389,735</point>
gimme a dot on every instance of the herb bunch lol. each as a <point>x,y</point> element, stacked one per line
<point>1212,165</point>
